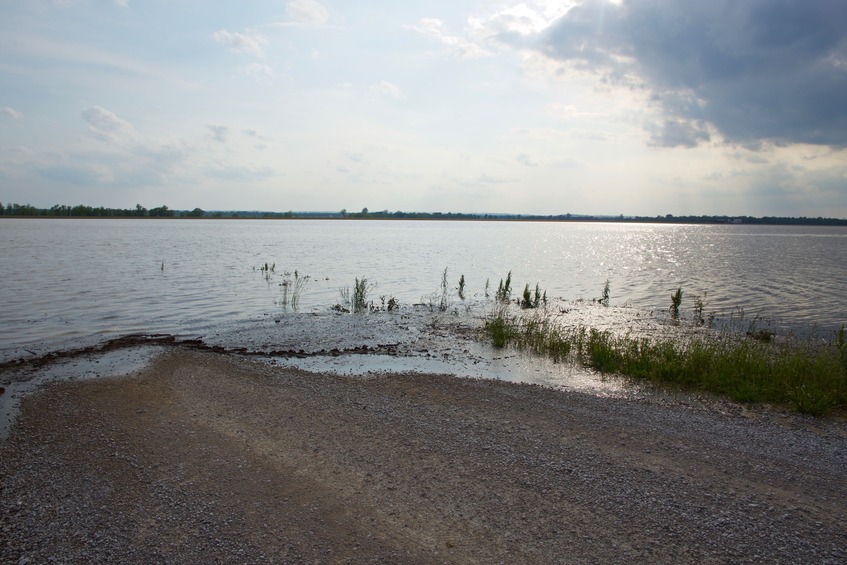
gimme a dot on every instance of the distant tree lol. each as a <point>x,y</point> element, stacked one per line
<point>343,212</point>
<point>364,211</point>
<point>196,213</point>
<point>161,212</point>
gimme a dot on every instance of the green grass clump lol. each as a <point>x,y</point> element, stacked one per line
<point>531,300</point>
<point>292,289</point>
<point>676,301</point>
<point>537,333</point>
<point>807,376</point>
<point>357,300</point>
<point>504,291</point>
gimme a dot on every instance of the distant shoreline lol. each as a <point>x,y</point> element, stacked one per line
<point>452,217</point>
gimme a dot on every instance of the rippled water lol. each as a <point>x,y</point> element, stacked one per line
<point>68,280</point>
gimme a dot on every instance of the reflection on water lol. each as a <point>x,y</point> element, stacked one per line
<point>69,280</point>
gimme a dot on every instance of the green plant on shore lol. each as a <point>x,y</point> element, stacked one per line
<point>504,291</point>
<point>487,287</point>
<point>389,303</point>
<point>461,289</point>
<point>676,301</point>
<point>806,375</point>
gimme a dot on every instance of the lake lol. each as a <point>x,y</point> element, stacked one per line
<point>70,281</point>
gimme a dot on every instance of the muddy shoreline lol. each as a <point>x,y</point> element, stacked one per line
<point>205,457</point>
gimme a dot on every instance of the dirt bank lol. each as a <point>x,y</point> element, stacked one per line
<point>210,458</point>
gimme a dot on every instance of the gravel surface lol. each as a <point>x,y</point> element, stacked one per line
<point>205,458</point>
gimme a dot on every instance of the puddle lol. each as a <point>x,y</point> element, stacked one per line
<point>512,368</point>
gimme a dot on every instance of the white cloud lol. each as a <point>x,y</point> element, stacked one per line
<point>386,88</point>
<point>305,13</point>
<point>122,3</point>
<point>461,46</point>
<point>250,42</point>
<point>520,18</point>
<point>259,71</point>
<point>11,112</point>
<point>106,126</point>
<point>240,173</point>
<point>568,112</point>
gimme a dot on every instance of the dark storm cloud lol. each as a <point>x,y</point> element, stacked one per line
<point>756,70</point>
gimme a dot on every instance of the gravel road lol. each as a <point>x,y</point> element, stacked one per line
<point>204,458</point>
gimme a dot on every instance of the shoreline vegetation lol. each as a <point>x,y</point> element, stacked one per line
<point>82,211</point>
<point>808,376</point>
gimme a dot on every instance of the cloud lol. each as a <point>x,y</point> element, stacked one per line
<point>106,126</point>
<point>134,165</point>
<point>525,160</point>
<point>239,173</point>
<point>219,133</point>
<point>677,132</point>
<point>307,13</point>
<point>260,72</point>
<point>255,134</point>
<point>757,71</point>
<point>386,88</point>
<point>461,46</point>
<point>122,3</point>
<point>11,112</point>
<point>260,140</point>
<point>523,18</point>
<point>250,42</point>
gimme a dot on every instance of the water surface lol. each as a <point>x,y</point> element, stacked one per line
<point>64,281</point>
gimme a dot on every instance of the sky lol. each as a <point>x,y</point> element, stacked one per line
<point>634,107</point>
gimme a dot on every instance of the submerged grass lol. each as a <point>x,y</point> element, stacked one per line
<point>807,376</point>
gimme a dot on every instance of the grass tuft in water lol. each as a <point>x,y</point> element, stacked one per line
<point>504,291</point>
<point>676,302</point>
<point>531,300</point>
<point>537,333</point>
<point>443,301</point>
<point>357,300</point>
<point>292,289</point>
<point>604,298</point>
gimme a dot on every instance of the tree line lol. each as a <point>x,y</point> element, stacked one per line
<point>81,211</point>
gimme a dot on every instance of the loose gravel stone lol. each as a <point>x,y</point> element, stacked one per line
<point>208,458</point>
